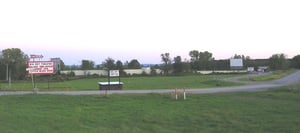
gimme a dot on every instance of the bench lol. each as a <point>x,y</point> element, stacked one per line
<point>110,85</point>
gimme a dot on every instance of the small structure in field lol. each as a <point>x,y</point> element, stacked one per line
<point>115,85</point>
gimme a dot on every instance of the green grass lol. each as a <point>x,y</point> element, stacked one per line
<point>273,111</point>
<point>273,76</point>
<point>131,83</point>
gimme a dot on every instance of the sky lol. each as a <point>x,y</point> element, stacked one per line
<point>144,29</point>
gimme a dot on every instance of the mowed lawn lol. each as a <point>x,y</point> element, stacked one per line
<point>131,83</point>
<point>274,111</point>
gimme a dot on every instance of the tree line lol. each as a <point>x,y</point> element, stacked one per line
<point>14,61</point>
<point>109,63</point>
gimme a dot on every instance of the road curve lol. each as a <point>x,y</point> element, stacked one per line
<point>290,79</point>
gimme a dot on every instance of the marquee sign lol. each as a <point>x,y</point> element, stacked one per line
<point>36,56</point>
<point>40,67</point>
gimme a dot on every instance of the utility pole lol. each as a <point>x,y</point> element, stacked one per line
<point>9,82</point>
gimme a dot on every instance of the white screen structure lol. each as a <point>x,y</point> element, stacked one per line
<point>236,62</point>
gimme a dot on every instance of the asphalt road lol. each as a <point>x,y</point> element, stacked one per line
<point>261,86</point>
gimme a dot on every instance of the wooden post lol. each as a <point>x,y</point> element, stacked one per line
<point>184,96</point>
<point>176,95</point>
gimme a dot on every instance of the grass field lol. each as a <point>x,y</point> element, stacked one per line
<point>130,83</point>
<point>274,111</point>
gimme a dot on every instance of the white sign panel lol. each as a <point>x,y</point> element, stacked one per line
<point>236,62</point>
<point>114,73</point>
<point>40,67</point>
<point>36,56</point>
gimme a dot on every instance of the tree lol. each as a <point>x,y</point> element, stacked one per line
<point>221,65</point>
<point>166,62</point>
<point>109,63</point>
<point>205,60</point>
<point>74,67</point>
<point>87,65</point>
<point>120,67</point>
<point>257,62</point>
<point>62,65</point>
<point>177,65</point>
<point>186,65</point>
<point>194,54</point>
<point>278,62</point>
<point>134,64</point>
<point>195,62</point>
<point>236,56</point>
<point>153,71</point>
<point>296,61</point>
<point>2,70</point>
<point>126,65</point>
<point>16,62</point>
<point>200,60</point>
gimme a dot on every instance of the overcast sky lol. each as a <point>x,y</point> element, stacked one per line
<point>143,29</point>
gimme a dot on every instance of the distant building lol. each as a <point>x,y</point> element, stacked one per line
<point>250,69</point>
<point>263,69</point>
<point>56,64</point>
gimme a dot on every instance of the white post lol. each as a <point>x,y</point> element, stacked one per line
<point>176,96</point>
<point>184,96</point>
<point>33,86</point>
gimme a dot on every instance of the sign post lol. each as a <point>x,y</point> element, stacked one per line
<point>114,73</point>
<point>111,74</point>
<point>39,68</point>
<point>111,84</point>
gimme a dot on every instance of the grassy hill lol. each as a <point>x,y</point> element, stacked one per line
<point>272,111</point>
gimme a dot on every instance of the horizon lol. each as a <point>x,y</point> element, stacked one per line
<point>45,58</point>
<point>143,30</point>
